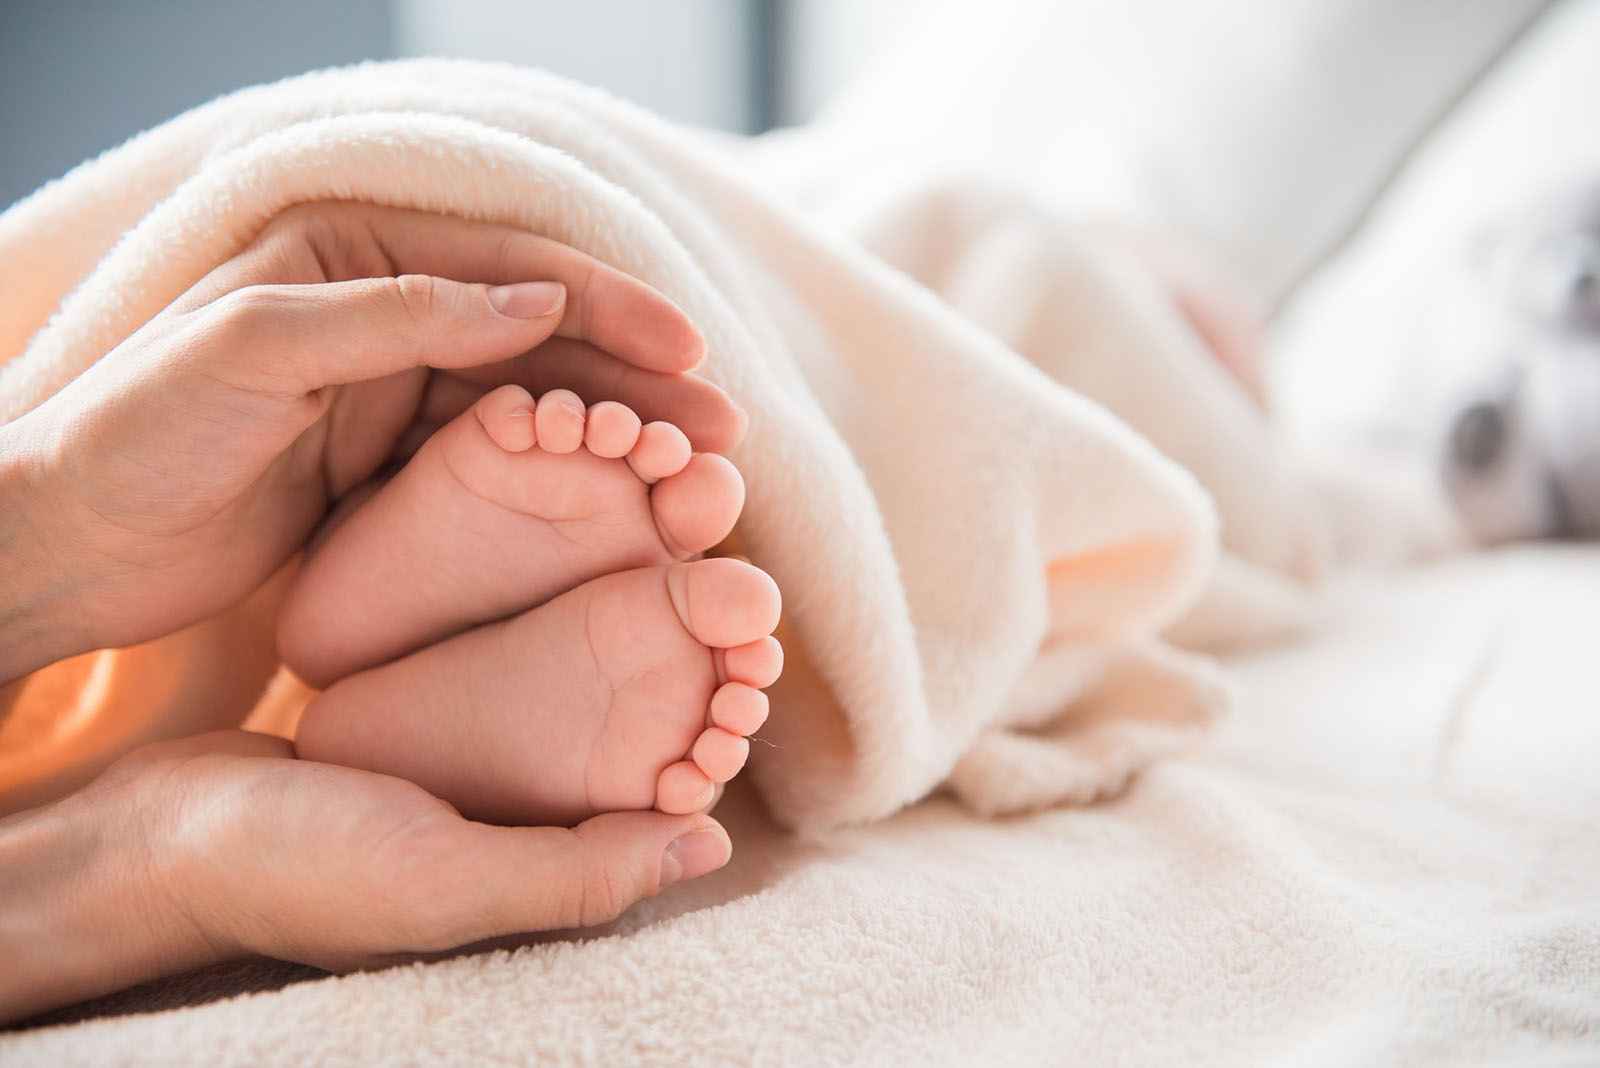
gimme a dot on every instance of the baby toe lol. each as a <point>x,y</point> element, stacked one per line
<point>738,709</point>
<point>720,754</point>
<point>697,507</point>
<point>757,664</point>
<point>683,788</point>
<point>506,415</point>
<point>724,603</point>
<point>558,420</point>
<point>612,430</point>
<point>662,450</point>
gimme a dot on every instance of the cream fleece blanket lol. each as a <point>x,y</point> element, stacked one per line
<point>978,562</point>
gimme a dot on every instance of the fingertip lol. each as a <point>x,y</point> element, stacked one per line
<point>695,353</point>
<point>716,426</point>
<point>682,346</point>
<point>695,853</point>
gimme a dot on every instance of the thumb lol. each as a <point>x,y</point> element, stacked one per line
<point>334,333</point>
<point>548,878</point>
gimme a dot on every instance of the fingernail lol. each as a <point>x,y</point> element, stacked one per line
<point>693,855</point>
<point>527,300</point>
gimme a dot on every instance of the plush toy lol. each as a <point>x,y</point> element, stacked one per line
<point>1515,340</point>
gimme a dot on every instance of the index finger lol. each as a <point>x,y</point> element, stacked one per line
<point>606,307</point>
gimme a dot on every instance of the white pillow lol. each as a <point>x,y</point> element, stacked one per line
<point>1262,127</point>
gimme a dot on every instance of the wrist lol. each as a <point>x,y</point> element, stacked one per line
<point>79,917</point>
<point>37,623</point>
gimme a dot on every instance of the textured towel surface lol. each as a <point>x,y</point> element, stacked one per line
<point>977,560</point>
<point>1388,858</point>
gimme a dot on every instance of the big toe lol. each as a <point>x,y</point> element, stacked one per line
<point>724,603</point>
<point>697,507</point>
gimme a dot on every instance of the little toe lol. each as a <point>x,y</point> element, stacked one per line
<point>724,603</point>
<point>720,754</point>
<point>507,417</point>
<point>662,450</point>
<point>697,507</point>
<point>683,788</point>
<point>612,430</point>
<point>756,664</point>
<point>738,709</point>
<point>558,421</point>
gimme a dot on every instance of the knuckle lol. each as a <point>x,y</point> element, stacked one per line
<point>299,226</point>
<point>605,892</point>
<point>243,312</point>
<point>290,220</point>
<point>593,281</point>
<point>310,219</point>
<point>420,296</point>
<point>506,257</point>
<point>322,230</point>
<point>339,236</point>
<point>240,341</point>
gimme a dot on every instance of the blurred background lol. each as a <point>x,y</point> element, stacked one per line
<point>79,76</point>
<point>1350,160</point>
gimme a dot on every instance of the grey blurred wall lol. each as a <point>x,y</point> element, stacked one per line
<point>79,76</point>
<point>695,61</point>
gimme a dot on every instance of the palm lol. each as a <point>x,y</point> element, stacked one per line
<point>339,868</point>
<point>336,858</point>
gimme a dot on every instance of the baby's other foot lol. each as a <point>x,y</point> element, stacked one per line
<point>635,690</point>
<point>508,505</point>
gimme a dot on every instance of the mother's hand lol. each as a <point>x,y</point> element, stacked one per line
<point>221,846</point>
<point>184,467</point>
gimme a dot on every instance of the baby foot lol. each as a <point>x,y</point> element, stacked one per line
<point>635,690</point>
<point>505,507</point>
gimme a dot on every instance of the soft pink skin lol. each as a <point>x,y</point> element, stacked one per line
<point>507,506</point>
<point>614,696</point>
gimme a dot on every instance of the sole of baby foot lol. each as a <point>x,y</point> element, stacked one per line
<point>507,506</point>
<point>636,690</point>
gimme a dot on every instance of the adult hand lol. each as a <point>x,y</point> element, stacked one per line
<point>222,846</point>
<point>183,468</point>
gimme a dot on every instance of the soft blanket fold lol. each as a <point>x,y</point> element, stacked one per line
<point>978,561</point>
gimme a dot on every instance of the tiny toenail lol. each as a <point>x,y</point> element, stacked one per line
<point>693,855</point>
